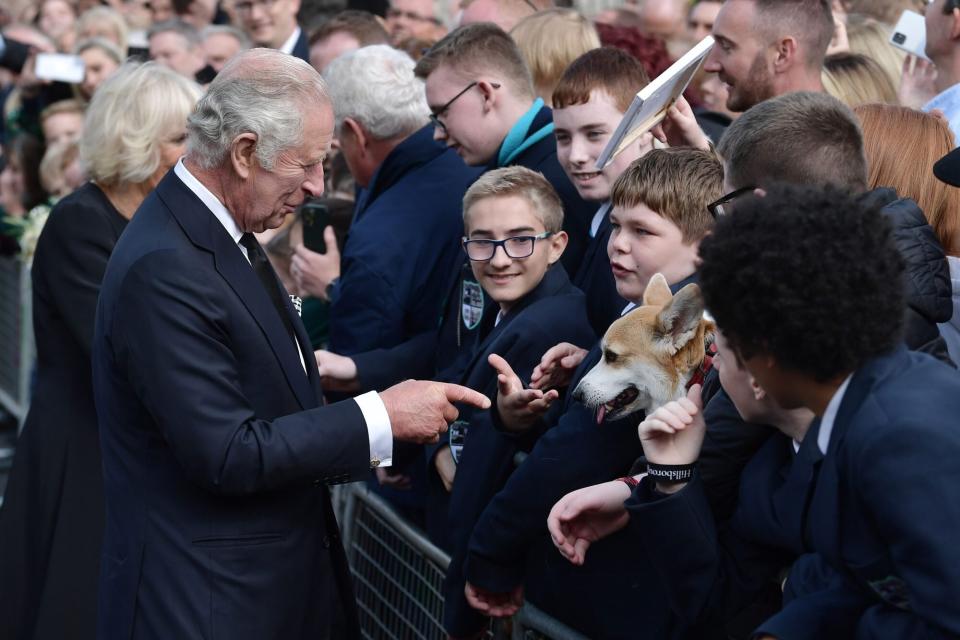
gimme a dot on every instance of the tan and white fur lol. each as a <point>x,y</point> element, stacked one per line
<point>650,354</point>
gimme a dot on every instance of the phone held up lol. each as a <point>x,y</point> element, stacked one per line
<point>315,218</point>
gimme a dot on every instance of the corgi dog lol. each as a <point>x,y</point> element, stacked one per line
<point>650,355</point>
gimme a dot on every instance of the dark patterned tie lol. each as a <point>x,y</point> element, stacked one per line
<point>261,265</point>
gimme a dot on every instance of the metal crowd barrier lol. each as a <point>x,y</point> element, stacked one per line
<point>16,337</point>
<point>398,575</point>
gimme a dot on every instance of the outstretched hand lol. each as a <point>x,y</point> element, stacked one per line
<point>557,366</point>
<point>519,408</point>
<point>586,515</point>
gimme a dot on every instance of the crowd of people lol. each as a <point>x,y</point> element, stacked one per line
<point>276,247</point>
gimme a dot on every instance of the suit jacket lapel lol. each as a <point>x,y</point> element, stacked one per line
<point>824,517</point>
<point>204,230</point>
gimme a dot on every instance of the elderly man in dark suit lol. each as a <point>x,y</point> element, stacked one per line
<point>216,453</point>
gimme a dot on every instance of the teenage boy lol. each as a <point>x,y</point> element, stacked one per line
<point>659,216</point>
<point>512,221</point>
<point>588,104</point>
<point>484,106</point>
<point>873,486</point>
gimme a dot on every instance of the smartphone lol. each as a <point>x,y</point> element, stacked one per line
<point>910,34</point>
<point>315,217</point>
<point>60,67</point>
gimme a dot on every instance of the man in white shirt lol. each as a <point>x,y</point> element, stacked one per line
<point>273,24</point>
<point>217,455</point>
<point>942,18</point>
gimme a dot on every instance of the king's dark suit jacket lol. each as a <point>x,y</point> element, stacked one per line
<point>216,455</point>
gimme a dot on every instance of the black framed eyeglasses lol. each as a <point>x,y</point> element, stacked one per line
<point>517,247</point>
<point>435,116</point>
<point>722,207</point>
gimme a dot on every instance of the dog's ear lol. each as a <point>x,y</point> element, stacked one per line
<point>657,293</point>
<point>677,323</point>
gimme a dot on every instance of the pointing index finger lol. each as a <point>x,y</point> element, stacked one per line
<point>457,393</point>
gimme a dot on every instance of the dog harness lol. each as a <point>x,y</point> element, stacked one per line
<point>701,372</point>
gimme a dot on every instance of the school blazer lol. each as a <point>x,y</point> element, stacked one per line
<point>554,312</point>
<point>887,492</point>
<point>865,521</point>
<point>216,453</point>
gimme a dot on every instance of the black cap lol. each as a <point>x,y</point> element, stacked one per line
<point>947,168</point>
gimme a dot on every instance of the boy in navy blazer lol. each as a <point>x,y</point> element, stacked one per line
<point>873,486</point>
<point>514,239</point>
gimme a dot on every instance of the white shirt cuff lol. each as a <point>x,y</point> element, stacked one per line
<point>378,428</point>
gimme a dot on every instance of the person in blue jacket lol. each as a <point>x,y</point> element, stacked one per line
<point>389,285</point>
<point>484,106</point>
<point>514,240</point>
<point>872,488</point>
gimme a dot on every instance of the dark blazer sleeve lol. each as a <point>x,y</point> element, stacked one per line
<point>170,337</point>
<point>709,572</point>
<point>382,368</point>
<point>907,477</point>
<point>365,312</point>
<point>71,258</point>
<point>15,55</point>
<point>819,602</point>
<point>576,453</point>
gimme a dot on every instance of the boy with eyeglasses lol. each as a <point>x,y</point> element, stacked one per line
<point>659,215</point>
<point>483,105</point>
<point>513,238</point>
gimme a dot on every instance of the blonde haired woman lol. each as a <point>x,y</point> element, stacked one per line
<point>549,41</point>
<point>52,518</point>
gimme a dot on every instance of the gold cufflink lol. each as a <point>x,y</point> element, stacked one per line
<point>375,462</point>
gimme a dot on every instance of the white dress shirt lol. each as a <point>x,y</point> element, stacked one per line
<point>830,416</point>
<point>291,42</point>
<point>379,430</point>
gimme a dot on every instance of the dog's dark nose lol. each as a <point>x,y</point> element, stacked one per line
<point>578,394</point>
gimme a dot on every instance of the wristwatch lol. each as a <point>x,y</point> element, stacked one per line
<point>328,292</point>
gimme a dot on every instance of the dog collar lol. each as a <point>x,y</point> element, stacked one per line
<point>701,373</point>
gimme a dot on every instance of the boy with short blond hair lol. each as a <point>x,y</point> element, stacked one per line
<point>514,239</point>
<point>509,549</point>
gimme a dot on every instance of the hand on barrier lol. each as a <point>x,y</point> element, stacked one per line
<point>337,373</point>
<point>586,515</point>
<point>313,272</point>
<point>495,605</point>
<point>519,408</point>
<point>557,366</point>
<point>397,481</point>
<point>420,410</point>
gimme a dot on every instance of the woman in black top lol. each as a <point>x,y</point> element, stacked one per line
<point>52,517</point>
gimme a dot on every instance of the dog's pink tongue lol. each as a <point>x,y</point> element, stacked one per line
<point>601,413</point>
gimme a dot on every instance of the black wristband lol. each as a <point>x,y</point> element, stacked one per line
<point>671,472</point>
